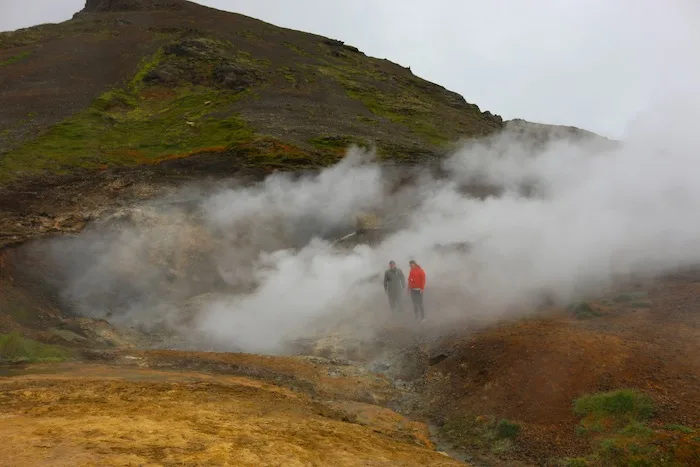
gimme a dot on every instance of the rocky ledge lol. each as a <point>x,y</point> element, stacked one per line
<point>96,6</point>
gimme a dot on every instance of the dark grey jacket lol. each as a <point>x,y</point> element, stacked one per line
<point>394,280</point>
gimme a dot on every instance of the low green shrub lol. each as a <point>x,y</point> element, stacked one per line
<point>14,347</point>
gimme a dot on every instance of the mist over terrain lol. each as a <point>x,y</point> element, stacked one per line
<point>251,267</point>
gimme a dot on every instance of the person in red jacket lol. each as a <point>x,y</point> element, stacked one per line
<point>416,287</point>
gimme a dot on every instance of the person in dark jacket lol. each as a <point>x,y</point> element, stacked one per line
<point>394,284</point>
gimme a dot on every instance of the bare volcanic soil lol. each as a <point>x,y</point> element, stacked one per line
<point>531,371</point>
<point>90,414</point>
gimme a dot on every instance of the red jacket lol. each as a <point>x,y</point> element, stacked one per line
<point>416,278</point>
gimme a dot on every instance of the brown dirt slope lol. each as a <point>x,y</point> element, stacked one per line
<point>531,371</point>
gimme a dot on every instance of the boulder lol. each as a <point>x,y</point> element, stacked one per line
<point>166,74</point>
<point>233,76</point>
<point>197,48</point>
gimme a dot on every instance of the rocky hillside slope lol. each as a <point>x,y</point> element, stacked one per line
<point>133,94</point>
<point>139,82</point>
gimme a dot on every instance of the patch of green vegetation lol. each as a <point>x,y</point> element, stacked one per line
<point>622,406</point>
<point>506,429</point>
<point>309,78</point>
<point>482,433</point>
<point>147,65</point>
<point>248,34</point>
<point>295,76</point>
<point>584,310</point>
<point>271,154</point>
<point>433,114</point>
<point>122,129</point>
<point>679,428</point>
<point>405,109</point>
<point>115,100</point>
<point>352,74</point>
<point>636,428</point>
<point>27,36</point>
<point>404,104</point>
<point>139,124</point>
<point>502,446</point>
<point>621,451</point>
<point>387,150</point>
<point>296,49</point>
<point>14,347</point>
<point>164,35</point>
<point>593,427</point>
<point>15,58</point>
<point>624,438</point>
<point>288,74</point>
<point>45,32</point>
<point>246,58</point>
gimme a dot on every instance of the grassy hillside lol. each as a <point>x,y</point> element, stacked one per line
<point>144,84</point>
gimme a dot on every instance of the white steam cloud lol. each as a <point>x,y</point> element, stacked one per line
<point>252,268</point>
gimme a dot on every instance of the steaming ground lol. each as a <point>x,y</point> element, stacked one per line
<point>253,268</point>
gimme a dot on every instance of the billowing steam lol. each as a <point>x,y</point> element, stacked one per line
<point>251,268</point>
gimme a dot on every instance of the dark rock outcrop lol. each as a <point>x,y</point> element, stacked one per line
<point>96,6</point>
<point>233,76</point>
<point>195,48</point>
<point>539,134</point>
<point>166,74</point>
<point>191,60</point>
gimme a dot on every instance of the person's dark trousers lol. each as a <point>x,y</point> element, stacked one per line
<point>395,302</point>
<point>417,298</point>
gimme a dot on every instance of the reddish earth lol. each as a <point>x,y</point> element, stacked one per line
<point>531,371</point>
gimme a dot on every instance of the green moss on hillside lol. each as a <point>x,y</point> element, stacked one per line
<point>622,406</point>
<point>122,128</point>
<point>45,32</point>
<point>140,123</point>
<point>401,105</point>
<point>14,347</point>
<point>619,427</point>
<point>15,58</point>
<point>302,98</point>
<point>272,154</point>
<point>434,114</point>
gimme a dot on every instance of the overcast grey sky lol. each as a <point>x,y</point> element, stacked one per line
<point>589,63</point>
